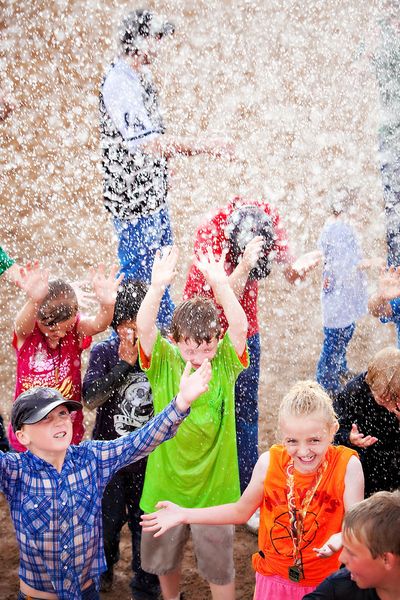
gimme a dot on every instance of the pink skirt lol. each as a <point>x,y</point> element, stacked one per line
<point>273,587</point>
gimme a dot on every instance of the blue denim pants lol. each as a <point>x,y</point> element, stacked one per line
<point>138,241</point>
<point>246,403</point>
<point>332,362</point>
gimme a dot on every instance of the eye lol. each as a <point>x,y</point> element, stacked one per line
<point>290,441</point>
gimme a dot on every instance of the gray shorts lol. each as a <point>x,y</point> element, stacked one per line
<point>213,547</point>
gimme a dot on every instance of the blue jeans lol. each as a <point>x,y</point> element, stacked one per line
<point>138,241</point>
<point>332,362</point>
<point>120,504</point>
<point>246,402</point>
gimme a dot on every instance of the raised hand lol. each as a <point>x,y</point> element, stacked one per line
<point>253,252</point>
<point>212,268</point>
<point>193,385</point>
<point>389,283</point>
<point>105,287</point>
<point>34,281</point>
<point>164,266</point>
<point>128,350</point>
<point>359,439</point>
<point>169,515</point>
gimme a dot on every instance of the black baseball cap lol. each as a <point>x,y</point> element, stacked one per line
<point>36,403</point>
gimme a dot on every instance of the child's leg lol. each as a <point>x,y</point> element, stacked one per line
<point>213,546</point>
<point>170,585</point>
<point>332,356</point>
<point>143,585</point>
<point>113,508</point>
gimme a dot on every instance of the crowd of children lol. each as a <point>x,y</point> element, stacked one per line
<point>177,409</point>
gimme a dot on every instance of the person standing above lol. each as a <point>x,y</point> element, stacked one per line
<point>136,150</point>
<point>344,291</point>
<point>251,233</point>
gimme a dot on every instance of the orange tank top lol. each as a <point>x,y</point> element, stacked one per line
<point>324,516</point>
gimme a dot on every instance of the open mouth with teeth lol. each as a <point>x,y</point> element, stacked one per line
<point>60,434</point>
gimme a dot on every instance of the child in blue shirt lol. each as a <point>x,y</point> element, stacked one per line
<point>54,490</point>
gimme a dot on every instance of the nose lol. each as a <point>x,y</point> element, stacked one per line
<point>302,450</point>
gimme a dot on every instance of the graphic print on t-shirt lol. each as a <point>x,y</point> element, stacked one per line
<point>136,406</point>
<point>281,537</point>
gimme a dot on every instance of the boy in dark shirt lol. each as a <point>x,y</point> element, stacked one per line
<point>116,386</point>
<point>371,553</point>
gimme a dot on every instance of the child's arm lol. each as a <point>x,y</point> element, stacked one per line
<point>171,514</point>
<point>161,276</point>
<point>216,277</point>
<point>353,493</point>
<point>238,278</point>
<point>35,283</point>
<point>388,289</point>
<point>105,290</point>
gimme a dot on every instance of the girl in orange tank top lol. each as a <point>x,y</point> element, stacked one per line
<point>303,488</point>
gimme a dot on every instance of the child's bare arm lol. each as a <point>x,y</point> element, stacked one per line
<point>238,512</point>
<point>240,275</point>
<point>388,289</point>
<point>215,275</point>
<point>161,276</point>
<point>353,493</point>
<point>35,283</point>
<point>105,290</point>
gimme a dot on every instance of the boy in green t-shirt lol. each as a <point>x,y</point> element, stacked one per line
<point>199,467</point>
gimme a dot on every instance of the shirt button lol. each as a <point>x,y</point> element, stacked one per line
<point>65,568</point>
<point>65,547</point>
<point>35,505</point>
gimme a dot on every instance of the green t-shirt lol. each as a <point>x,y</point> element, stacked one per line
<point>5,261</point>
<point>199,466</point>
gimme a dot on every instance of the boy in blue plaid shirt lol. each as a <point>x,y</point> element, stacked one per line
<point>54,490</point>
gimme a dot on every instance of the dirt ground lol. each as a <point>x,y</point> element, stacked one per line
<point>285,79</point>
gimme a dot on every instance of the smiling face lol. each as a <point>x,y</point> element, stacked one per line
<point>50,436</point>
<point>197,353</point>
<point>56,332</point>
<point>307,439</point>
<point>366,571</point>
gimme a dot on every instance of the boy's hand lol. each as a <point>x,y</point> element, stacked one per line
<point>358,439</point>
<point>128,350</point>
<point>193,385</point>
<point>34,281</point>
<point>164,267</point>
<point>169,516</point>
<point>212,269</point>
<point>105,287</point>
<point>389,283</point>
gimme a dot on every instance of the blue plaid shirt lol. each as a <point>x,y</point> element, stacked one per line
<point>57,516</point>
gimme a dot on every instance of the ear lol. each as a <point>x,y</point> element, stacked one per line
<point>334,429</point>
<point>23,437</point>
<point>390,561</point>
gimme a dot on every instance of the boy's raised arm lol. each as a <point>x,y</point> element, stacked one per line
<point>161,276</point>
<point>216,276</point>
<point>105,290</point>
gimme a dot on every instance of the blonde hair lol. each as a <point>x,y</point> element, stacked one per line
<point>383,375</point>
<point>375,522</point>
<point>304,399</point>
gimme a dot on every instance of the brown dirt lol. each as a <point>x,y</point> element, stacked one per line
<point>281,78</point>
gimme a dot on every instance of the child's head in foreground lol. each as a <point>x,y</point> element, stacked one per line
<point>371,540</point>
<point>41,420</point>
<point>58,311</point>
<point>195,329</point>
<point>308,424</point>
